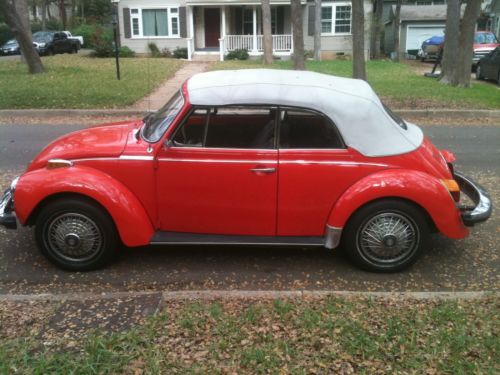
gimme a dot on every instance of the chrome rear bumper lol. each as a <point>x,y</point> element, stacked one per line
<point>482,210</point>
<point>7,217</point>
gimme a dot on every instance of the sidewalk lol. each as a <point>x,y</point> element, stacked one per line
<point>160,96</point>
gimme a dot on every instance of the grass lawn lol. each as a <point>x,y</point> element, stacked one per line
<point>321,336</point>
<point>398,84</point>
<point>81,82</point>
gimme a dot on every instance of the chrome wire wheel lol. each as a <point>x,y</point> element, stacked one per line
<point>388,238</point>
<point>73,237</point>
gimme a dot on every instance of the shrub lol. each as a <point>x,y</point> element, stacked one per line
<point>154,50</point>
<point>124,51</point>
<point>5,33</point>
<point>165,52</point>
<point>86,31</point>
<point>237,54</point>
<point>102,42</point>
<point>181,53</point>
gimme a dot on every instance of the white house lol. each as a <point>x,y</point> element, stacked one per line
<point>218,26</point>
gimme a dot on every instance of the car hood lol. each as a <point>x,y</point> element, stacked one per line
<point>98,142</point>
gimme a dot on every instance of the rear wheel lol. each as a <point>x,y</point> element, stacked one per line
<point>76,234</point>
<point>386,236</point>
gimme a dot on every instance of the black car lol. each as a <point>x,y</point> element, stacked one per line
<point>11,47</point>
<point>51,43</point>
<point>489,66</point>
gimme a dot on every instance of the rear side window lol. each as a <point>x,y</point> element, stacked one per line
<point>300,128</point>
<point>396,118</point>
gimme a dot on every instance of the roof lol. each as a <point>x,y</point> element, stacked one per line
<point>421,13</point>
<point>351,104</point>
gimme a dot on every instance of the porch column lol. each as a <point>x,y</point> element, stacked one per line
<point>223,14</point>
<point>254,41</point>
<point>190,38</point>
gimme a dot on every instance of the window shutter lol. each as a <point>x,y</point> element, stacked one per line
<point>310,20</point>
<point>183,22</point>
<point>126,23</point>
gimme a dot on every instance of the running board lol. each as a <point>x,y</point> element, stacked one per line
<point>178,238</point>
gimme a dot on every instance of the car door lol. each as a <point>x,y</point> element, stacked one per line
<point>315,168</point>
<point>217,174</point>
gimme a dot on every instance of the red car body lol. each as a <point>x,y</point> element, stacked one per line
<point>149,188</point>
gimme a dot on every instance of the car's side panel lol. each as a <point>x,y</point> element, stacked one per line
<point>418,187</point>
<point>310,182</point>
<point>131,220</point>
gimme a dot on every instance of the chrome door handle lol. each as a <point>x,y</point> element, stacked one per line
<point>263,170</point>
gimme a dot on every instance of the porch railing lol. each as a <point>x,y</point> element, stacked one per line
<point>281,43</point>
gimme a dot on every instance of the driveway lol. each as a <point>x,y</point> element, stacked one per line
<point>469,264</point>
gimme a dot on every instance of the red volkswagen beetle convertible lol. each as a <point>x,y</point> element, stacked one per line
<point>252,157</point>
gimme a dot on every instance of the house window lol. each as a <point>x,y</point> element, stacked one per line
<point>274,20</point>
<point>336,18</point>
<point>247,21</point>
<point>148,23</point>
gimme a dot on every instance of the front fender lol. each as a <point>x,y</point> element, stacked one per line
<point>423,189</point>
<point>132,222</point>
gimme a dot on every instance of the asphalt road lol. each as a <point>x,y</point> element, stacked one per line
<point>469,264</point>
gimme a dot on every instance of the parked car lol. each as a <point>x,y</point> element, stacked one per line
<point>489,66</point>
<point>11,47</point>
<point>248,157</point>
<point>484,43</point>
<point>430,48</point>
<point>78,38</point>
<point>51,43</point>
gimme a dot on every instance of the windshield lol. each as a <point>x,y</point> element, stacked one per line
<point>42,36</point>
<point>157,123</point>
<point>485,38</point>
<point>396,118</point>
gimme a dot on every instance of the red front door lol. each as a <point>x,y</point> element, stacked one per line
<point>212,27</point>
<point>217,191</point>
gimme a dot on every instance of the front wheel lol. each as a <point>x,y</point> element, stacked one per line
<point>386,236</point>
<point>76,234</point>
<point>479,73</point>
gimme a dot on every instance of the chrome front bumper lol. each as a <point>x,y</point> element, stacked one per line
<point>482,210</point>
<point>7,216</point>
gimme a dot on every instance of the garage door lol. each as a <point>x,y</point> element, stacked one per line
<point>417,34</point>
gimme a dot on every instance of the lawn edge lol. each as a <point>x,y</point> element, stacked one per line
<point>251,294</point>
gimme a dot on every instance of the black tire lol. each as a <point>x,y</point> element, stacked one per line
<point>479,75</point>
<point>375,248</point>
<point>59,229</point>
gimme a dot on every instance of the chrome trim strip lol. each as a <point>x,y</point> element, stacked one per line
<point>235,243</point>
<point>332,238</point>
<point>136,157</point>
<point>218,161</point>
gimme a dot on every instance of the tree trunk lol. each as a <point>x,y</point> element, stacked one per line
<point>17,24</point>
<point>449,66</point>
<point>317,30</point>
<point>62,14</point>
<point>267,39</point>
<point>358,40</point>
<point>397,30</point>
<point>376,35</point>
<point>466,42</point>
<point>44,15</point>
<point>298,36</point>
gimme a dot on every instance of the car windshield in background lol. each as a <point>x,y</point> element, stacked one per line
<point>157,123</point>
<point>396,118</point>
<point>42,36</point>
<point>485,38</point>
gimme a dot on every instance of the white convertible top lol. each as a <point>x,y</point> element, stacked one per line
<point>351,103</point>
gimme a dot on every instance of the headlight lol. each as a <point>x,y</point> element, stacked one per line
<point>41,45</point>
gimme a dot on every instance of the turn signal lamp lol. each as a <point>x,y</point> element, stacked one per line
<point>453,188</point>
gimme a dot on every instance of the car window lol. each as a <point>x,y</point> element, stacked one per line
<point>157,123</point>
<point>395,117</point>
<point>192,132</point>
<point>241,127</point>
<point>300,128</point>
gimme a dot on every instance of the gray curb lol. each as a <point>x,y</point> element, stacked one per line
<point>423,113</point>
<point>250,294</point>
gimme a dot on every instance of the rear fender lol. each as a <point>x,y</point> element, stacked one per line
<point>420,188</point>
<point>132,222</point>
